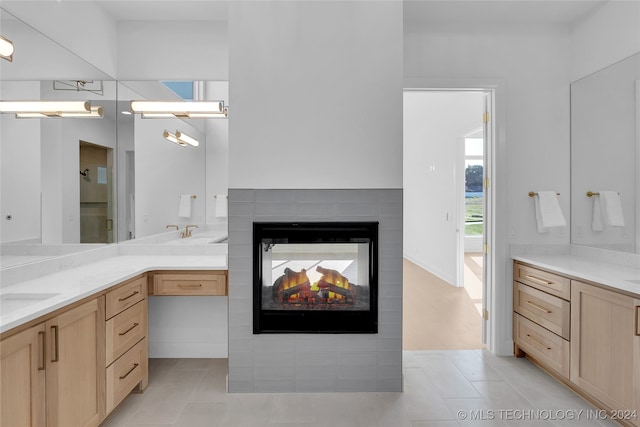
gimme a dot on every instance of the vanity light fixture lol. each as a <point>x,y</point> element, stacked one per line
<point>94,113</point>
<point>39,109</point>
<point>179,109</point>
<point>6,49</point>
<point>187,139</point>
<point>180,138</point>
<point>173,138</point>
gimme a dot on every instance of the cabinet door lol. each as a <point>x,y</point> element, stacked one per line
<point>603,338</point>
<point>75,367</point>
<point>22,370</point>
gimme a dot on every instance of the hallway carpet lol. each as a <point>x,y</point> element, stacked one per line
<point>436,315</point>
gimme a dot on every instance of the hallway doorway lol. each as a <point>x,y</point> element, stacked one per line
<point>446,169</point>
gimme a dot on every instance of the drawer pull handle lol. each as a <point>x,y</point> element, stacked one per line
<point>43,347</point>
<point>56,355</point>
<point>135,365</point>
<point>538,342</point>
<point>538,280</point>
<point>538,307</point>
<point>189,285</point>
<point>129,330</point>
<point>637,321</point>
<point>126,298</point>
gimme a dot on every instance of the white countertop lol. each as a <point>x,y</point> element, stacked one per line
<point>77,283</point>
<point>615,276</point>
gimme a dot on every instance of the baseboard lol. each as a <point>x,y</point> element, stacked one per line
<point>440,275</point>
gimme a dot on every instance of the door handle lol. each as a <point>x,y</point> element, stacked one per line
<point>56,355</point>
<point>43,348</point>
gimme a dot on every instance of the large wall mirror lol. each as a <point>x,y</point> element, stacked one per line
<point>156,175</point>
<point>58,193</point>
<point>605,157</point>
<point>71,184</point>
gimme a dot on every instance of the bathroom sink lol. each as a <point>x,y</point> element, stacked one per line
<point>637,282</point>
<point>12,302</point>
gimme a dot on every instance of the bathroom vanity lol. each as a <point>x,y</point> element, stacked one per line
<point>74,344</point>
<point>579,320</point>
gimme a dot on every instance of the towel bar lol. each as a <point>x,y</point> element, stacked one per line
<point>533,193</point>
<point>593,193</point>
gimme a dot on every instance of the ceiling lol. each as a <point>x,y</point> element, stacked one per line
<point>166,10</point>
<point>563,12</point>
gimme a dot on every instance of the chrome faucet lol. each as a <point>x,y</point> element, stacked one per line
<point>187,233</point>
<point>171,225</point>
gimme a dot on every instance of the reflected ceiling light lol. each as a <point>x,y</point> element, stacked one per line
<point>180,109</point>
<point>6,49</point>
<point>38,109</point>
<point>172,137</point>
<point>95,113</point>
<point>180,138</point>
<point>45,106</point>
<point>187,139</point>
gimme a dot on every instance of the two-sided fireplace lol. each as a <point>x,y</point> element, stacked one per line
<point>315,277</point>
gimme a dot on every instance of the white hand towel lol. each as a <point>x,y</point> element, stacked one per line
<point>611,209</point>
<point>184,211</point>
<point>221,205</point>
<point>597,222</point>
<point>548,212</point>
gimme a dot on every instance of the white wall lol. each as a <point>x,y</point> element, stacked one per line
<point>190,50</point>
<point>164,172</point>
<point>20,168</point>
<point>317,95</point>
<point>530,63</point>
<point>434,122</point>
<point>82,27</point>
<point>608,35</point>
<point>217,162</point>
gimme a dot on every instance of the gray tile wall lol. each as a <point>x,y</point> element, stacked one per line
<point>315,362</point>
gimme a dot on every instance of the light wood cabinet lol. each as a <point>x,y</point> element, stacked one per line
<point>53,373</point>
<point>126,351</point>
<point>586,335</point>
<point>604,346</point>
<point>75,375</point>
<point>545,346</point>
<point>125,295</point>
<point>126,373</point>
<point>22,369</point>
<point>213,283</point>
<point>541,308</point>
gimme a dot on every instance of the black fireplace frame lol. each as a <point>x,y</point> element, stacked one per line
<point>308,321</point>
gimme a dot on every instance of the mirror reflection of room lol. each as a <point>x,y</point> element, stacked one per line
<point>605,110</point>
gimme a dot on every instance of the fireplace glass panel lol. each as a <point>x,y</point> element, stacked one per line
<point>315,277</point>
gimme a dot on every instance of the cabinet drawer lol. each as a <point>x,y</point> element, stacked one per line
<point>125,329</point>
<point>547,282</point>
<point>125,296</point>
<point>546,310</point>
<point>125,374</point>
<point>190,284</point>
<point>546,347</point>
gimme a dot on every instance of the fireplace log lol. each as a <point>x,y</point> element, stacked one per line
<point>291,282</point>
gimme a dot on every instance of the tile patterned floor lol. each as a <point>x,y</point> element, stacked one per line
<point>441,389</point>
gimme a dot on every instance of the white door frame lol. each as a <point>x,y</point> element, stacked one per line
<point>497,322</point>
